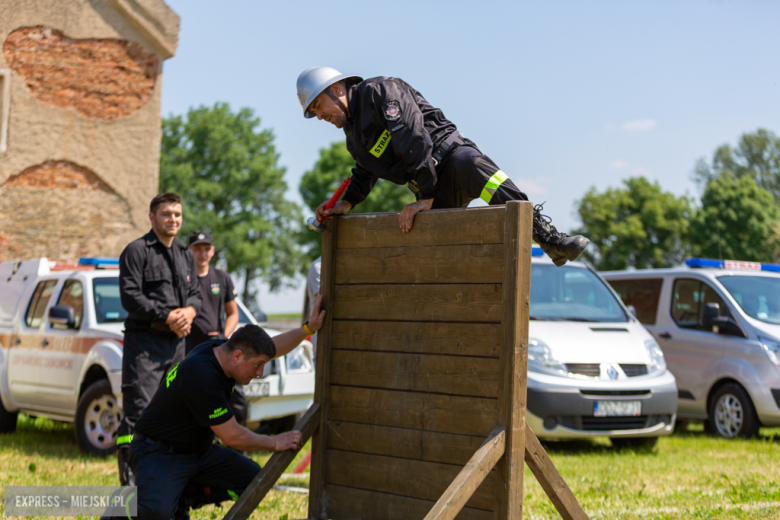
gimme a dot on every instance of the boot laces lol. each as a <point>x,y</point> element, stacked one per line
<point>544,227</point>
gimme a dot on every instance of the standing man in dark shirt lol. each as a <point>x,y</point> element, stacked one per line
<point>172,448</point>
<point>159,288</point>
<point>394,133</point>
<point>218,315</point>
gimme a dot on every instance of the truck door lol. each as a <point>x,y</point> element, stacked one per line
<point>692,353</point>
<point>64,353</point>
<point>27,356</point>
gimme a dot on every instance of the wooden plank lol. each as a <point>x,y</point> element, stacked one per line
<point>405,477</point>
<point>457,375</point>
<point>551,481</point>
<point>317,508</point>
<point>401,442</point>
<point>482,263</point>
<point>350,503</point>
<point>457,339</point>
<point>469,478</point>
<point>514,358</point>
<point>431,228</point>
<point>476,303</point>
<point>279,461</point>
<point>429,412</point>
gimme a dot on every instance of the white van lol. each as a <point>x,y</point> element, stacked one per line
<point>61,334</point>
<point>718,323</point>
<point>593,369</point>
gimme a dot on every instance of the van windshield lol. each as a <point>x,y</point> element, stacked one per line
<point>108,306</point>
<point>571,294</point>
<point>758,296</point>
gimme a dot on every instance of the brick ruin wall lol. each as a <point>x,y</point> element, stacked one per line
<point>59,209</point>
<point>62,211</point>
<point>101,78</point>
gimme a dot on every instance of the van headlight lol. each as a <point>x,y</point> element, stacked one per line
<point>541,359</point>
<point>656,355</point>
<point>772,349</point>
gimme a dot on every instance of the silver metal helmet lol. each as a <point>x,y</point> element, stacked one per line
<point>313,81</point>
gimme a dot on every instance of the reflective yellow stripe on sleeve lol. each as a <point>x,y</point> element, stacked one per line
<point>492,185</point>
<point>381,145</point>
<point>124,439</point>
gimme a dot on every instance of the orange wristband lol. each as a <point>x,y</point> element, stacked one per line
<point>307,329</point>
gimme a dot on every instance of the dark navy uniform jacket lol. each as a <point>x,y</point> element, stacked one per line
<point>391,133</point>
<point>154,280</point>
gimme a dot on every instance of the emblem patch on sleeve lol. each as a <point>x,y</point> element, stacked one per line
<point>392,111</point>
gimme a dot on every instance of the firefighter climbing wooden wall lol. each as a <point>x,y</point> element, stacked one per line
<point>421,372</point>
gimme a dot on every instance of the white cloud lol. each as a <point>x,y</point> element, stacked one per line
<point>639,125</point>
<point>618,164</point>
<point>534,186</point>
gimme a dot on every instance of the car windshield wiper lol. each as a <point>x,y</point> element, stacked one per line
<point>572,318</point>
<point>537,318</point>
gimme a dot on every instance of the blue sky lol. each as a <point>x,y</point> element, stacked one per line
<point>562,95</point>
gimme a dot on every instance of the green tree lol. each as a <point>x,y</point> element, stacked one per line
<point>636,226</point>
<point>756,155</point>
<point>737,220</point>
<point>321,182</point>
<point>225,168</point>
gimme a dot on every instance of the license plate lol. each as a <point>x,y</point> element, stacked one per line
<point>617,408</point>
<point>257,389</point>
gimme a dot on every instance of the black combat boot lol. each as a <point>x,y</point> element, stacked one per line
<point>558,246</point>
<point>126,477</point>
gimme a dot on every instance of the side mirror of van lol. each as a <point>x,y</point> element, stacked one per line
<point>632,310</point>
<point>711,318</point>
<point>63,315</point>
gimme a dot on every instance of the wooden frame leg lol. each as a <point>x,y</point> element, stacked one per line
<point>551,481</point>
<point>265,480</point>
<point>470,477</point>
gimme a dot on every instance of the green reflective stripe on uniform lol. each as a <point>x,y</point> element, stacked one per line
<point>124,439</point>
<point>381,145</point>
<point>492,185</point>
<point>171,376</point>
<point>232,494</point>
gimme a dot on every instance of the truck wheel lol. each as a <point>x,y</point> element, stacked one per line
<point>732,413</point>
<point>97,419</point>
<point>634,443</point>
<point>7,420</point>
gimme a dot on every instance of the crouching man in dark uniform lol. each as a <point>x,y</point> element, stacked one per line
<point>393,133</point>
<point>172,448</point>
<point>158,285</point>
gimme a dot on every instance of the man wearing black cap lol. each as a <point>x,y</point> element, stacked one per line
<point>219,312</point>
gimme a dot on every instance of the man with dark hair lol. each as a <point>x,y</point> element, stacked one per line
<point>158,286</point>
<point>394,133</point>
<point>175,462</point>
<point>218,315</point>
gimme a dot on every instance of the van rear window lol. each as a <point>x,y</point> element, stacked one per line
<point>643,294</point>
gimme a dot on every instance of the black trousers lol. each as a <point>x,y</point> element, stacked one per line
<point>463,174</point>
<point>162,476</point>
<point>146,359</point>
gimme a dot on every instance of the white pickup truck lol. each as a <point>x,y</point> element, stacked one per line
<point>61,334</point>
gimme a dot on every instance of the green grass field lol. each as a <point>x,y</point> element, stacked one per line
<point>687,475</point>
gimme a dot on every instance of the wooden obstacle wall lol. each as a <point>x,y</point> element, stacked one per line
<point>419,406</point>
<point>411,357</point>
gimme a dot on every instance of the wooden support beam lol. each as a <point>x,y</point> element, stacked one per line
<point>514,358</point>
<point>265,480</point>
<point>470,477</point>
<point>551,481</point>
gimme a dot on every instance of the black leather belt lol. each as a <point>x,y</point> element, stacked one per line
<point>441,151</point>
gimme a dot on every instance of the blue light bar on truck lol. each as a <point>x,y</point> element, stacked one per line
<point>536,251</point>
<point>98,261</point>
<point>732,264</point>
